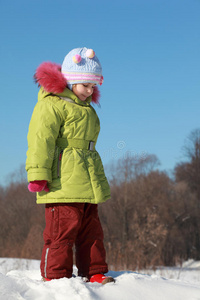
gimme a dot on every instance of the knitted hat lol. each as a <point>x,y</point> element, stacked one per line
<point>81,65</point>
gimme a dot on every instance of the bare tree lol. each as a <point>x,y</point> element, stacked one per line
<point>19,219</point>
<point>191,149</point>
<point>189,171</point>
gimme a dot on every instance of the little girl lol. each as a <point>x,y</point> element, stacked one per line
<point>65,169</point>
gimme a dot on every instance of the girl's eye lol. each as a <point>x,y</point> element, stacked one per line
<point>85,85</point>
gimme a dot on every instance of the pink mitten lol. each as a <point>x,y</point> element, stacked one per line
<point>38,186</point>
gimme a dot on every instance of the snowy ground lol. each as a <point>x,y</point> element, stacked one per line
<point>20,279</point>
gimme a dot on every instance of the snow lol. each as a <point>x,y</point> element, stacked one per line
<point>20,279</point>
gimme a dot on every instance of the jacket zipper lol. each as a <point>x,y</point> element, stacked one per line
<point>59,163</point>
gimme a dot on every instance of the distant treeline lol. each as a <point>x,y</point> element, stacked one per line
<point>152,219</point>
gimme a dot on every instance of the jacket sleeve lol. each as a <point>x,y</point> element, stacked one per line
<point>43,131</point>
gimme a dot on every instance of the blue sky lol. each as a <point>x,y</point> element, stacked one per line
<point>150,53</point>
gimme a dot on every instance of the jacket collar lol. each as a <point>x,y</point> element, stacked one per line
<point>65,94</point>
<point>69,94</point>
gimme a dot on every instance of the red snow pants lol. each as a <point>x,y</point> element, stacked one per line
<point>68,225</point>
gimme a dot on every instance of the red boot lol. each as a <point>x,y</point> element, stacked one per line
<point>46,279</point>
<point>101,278</point>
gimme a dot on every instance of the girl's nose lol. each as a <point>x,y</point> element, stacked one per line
<point>89,90</point>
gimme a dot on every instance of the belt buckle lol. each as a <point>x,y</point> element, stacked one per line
<point>91,146</point>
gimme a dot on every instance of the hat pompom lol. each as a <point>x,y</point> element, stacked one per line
<point>90,53</point>
<point>76,58</point>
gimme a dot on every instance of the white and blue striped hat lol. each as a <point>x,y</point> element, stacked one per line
<point>81,65</point>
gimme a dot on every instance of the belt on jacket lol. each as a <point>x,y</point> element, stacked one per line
<point>75,143</point>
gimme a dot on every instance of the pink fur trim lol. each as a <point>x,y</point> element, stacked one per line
<point>96,95</point>
<point>49,76</point>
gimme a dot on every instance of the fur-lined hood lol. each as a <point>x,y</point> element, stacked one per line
<point>49,76</point>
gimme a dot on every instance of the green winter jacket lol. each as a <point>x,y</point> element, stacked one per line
<point>61,131</point>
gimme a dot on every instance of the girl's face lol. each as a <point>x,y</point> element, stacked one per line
<point>83,90</point>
